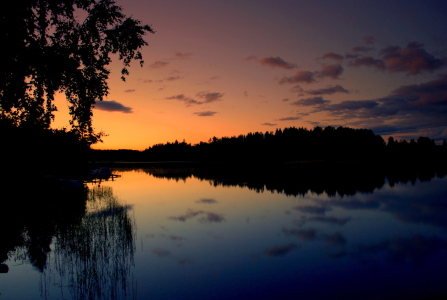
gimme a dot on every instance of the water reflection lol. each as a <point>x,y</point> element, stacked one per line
<point>94,256</point>
<point>210,235</point>
<point>334,180</point>
<point>83,250</point>
<point>318,236</point>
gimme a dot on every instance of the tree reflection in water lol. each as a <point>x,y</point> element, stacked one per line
<point>94,256</point>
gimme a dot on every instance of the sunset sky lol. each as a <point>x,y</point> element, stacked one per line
<point>224,68</point>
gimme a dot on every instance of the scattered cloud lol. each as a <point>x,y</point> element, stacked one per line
<point>159,64</point>
<point>205,113</point>
<point>183,55</point>
<point>268,124</point>
<point>330,220</point>
<point>320,210</point>
<point>409,107</point>
<point>300,76</point>
<point>315,101</point>
<point>332,55</point>
<point>161,252</point>
<point>333,71</point>
<point>206,217</point>
<point>361,49</point>
<point>252,57</point>
<point>207,201</point>
<point>112,106</point>
<point>278,251</point>
<point>207,97</point>
<point>368,61</point>
<point>273,62</point>
<point>304,235</point>
<point>336,239</point>
<point>327,91</point>
<point>185,261</point>
<point>210,217</point>
<point>210,97</point>
<point>416,250</point>
<point>412,60</point>
<point>297,89</point>
<point>187,100</point>
<point>172,78</point>
<point>289,119</point>
<point>369,39</point>
<point>129,91</point>
<point>277,62</point>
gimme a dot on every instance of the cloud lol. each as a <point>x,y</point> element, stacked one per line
<point>277,62</point>
<point>206,217</point>
<point>129,91</point>
<point>336,239</point>
<point>368,61</point>
<point>159,64</point>
<point>207,201</point>
<point>327,91</point>
<point>161,252</point>
<point>433,92</point>
<point>187,100</point>
<point>185,261</point>
<point>151,81</point>
<point>330,220</point>
<point>172,78</point>
<point>289,119</point>
<point>205,113</point>
<point>273,62</point>
<point>268,124</point>
<point>311,102</point>
<point>300,76</point>
<point>210,97</point>
<point>369,39</point>
<point>320,210</point>
<point>278,251</point>
<point>183,55</point>
<point>412,59</point>
<point>416,250</point>
<point>188,215</point>
<point>252,57</point>
<point>333,71</point>
<point>420,108</point>
<point>332,55</point>
<point>211,217</point>
<point>361,49</point>
<point>112,106</point>
<point>304,235</point>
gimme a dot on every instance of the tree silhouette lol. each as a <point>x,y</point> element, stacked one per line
<point>48,48</point>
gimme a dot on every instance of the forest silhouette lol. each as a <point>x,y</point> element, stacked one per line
<point>297,147</point>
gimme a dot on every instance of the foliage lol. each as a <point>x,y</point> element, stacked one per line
<point>62,46</point>
<point>289,144</point>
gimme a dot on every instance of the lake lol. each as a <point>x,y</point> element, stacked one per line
<point>176,234</point>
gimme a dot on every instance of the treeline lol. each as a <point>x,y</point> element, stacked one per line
<point>292,144</point>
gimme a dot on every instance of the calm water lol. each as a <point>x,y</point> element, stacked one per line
<point>156,235</point>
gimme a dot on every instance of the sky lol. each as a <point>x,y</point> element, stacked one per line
<point>225,68</point>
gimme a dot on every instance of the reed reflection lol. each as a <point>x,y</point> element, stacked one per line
<point>94,257</point>
<point>81,240</point>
